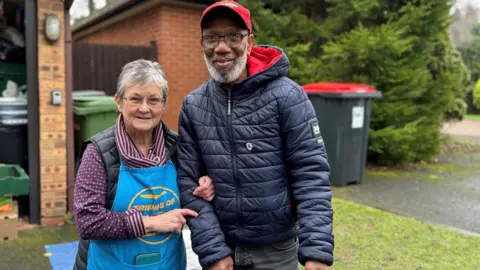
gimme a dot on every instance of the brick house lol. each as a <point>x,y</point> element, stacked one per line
<point>173,25</point>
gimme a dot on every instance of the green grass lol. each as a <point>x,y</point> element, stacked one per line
<point>454,146</point>
<point>367,238</point>
<point>472,117</point>
<point>385,173</point>
<point>27,252</point>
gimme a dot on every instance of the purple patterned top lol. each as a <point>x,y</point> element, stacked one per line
<point>93,220</point>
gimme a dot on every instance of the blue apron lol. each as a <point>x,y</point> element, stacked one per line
<point>151,190</point>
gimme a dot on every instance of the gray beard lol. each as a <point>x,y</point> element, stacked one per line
<point>229,75</point>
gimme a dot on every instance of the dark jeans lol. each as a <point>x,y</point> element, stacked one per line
<point>279,256</point>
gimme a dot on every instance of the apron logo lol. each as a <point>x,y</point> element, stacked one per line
<point>152,196</point>
<point>154,201</point>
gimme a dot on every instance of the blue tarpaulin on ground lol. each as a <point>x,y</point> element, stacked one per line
<point>62,256</point>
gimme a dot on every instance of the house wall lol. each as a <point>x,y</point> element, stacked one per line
<point>53,159</point>
<point>177,32</point>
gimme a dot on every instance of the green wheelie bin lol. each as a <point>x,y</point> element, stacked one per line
<point>92,114</point>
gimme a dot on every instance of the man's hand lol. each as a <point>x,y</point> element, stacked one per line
<point>313,265</point>
<point>223,264</point>
<point>206,189</point>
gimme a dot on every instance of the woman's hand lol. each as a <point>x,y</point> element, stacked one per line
<point>206,189</point>
<point>171,221</point>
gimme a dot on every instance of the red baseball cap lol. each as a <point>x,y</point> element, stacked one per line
<point>235,7</point>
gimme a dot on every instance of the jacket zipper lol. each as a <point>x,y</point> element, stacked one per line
<point>229,108</point>
<point>234,159</point>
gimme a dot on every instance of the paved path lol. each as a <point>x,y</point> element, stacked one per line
<point>455,205</point>
<point>451,197</point>
<point>466,128</point>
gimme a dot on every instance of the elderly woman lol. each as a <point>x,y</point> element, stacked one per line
<point>126,199</point>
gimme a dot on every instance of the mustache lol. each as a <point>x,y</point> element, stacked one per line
<point>222,59</point>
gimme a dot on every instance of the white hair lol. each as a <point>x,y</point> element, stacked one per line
<point>229,75</point>
<point>142,72</point>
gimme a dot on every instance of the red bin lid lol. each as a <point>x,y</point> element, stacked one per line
<point>338,88</point>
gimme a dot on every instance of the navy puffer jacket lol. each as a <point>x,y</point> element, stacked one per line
<point>260,143</point>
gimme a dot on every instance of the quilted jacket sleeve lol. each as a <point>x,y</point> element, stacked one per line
<point>208,240</point>
<point>309,171</point>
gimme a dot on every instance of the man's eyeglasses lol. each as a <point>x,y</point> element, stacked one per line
<point>232,41</point>
<point>151,102</point>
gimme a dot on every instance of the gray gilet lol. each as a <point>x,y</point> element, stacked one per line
<point>107,149</point>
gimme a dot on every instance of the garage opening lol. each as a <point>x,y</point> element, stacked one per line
<point>17,51</point>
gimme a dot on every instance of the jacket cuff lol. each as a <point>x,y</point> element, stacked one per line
<point>323,257</point>
<point>214,258</point>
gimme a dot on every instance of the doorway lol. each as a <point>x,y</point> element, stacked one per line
<point>19,122</point>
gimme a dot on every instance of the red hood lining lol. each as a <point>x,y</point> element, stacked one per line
<point>262,58</point>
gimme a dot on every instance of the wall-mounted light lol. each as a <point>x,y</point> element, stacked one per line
<point>52,28</point>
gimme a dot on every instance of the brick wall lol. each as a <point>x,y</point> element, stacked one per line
<point>53,161</point>
<point>177,32</point>
<point>181,54</point>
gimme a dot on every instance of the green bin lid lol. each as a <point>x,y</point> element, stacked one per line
<point>94,104</point>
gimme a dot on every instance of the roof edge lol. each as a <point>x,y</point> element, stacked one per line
<point>126,6</point>
<point>68,4</point>
<point>103,15</point>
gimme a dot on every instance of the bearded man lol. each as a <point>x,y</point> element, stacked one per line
<point>255,133</point>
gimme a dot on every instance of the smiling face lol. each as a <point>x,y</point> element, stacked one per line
<point>142,107</point>
<point>227,61</point>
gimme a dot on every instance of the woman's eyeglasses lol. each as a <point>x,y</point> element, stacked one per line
<point>151,102</point>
